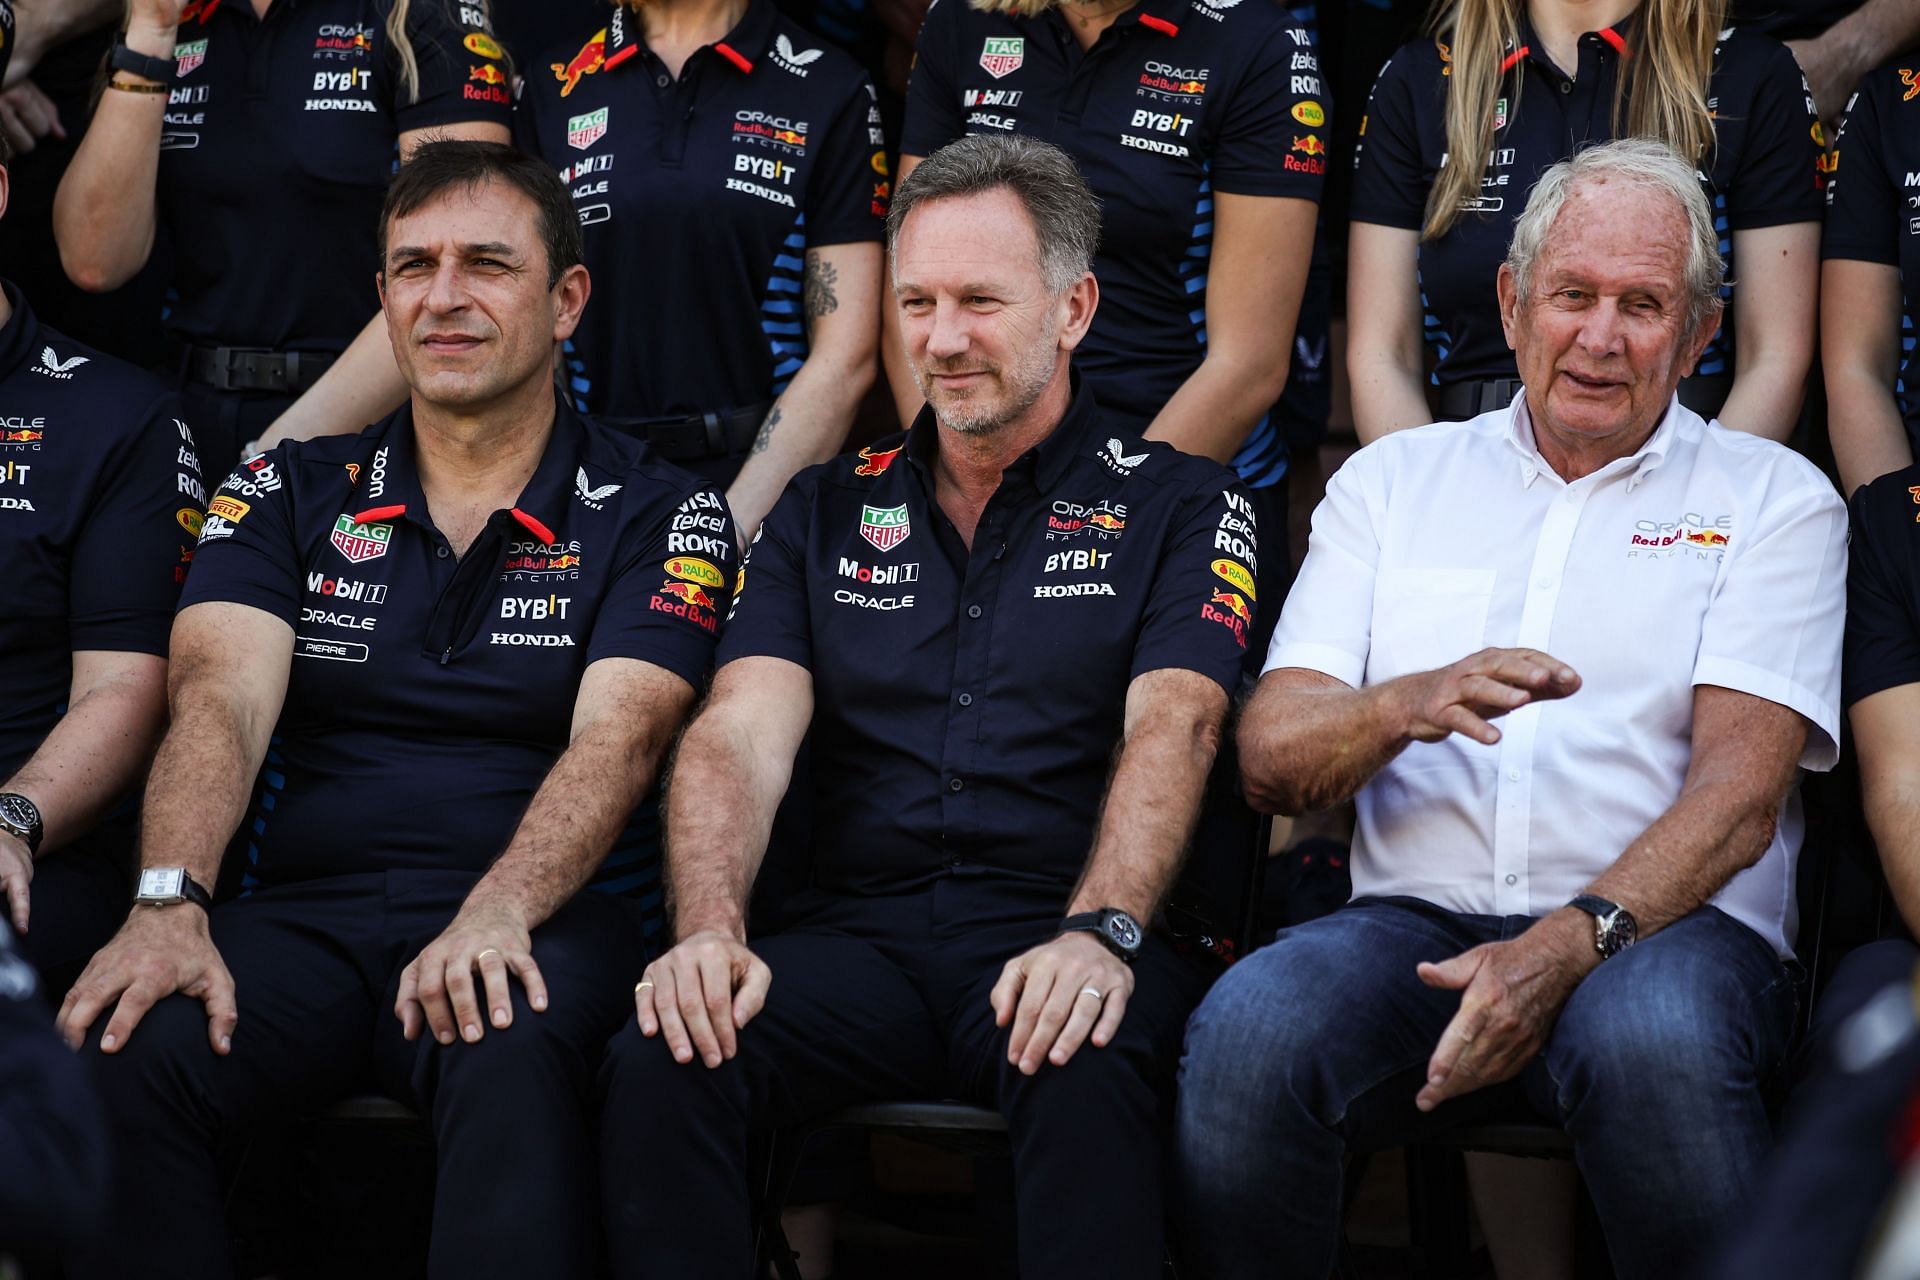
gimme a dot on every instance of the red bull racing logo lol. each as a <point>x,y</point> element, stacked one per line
<point>687,600</point>
<point>1230,610</point>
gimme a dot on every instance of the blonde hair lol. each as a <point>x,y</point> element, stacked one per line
<point>1663,94</point>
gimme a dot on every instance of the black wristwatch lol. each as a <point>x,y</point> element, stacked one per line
<point>1119,931</point>
<point>159,70</point>
<point>164,886</point>
<point>21,817</point>
<point>1614,928</point>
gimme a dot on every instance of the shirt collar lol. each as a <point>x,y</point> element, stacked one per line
<point>1642,462</point>
<point>20,340</point>
<point>742,48</point>
<point>539,509</point>
<point>1047,461</point>
<point>1618,37</point>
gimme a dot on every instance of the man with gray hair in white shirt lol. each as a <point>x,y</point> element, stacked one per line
<point>1567,659</point>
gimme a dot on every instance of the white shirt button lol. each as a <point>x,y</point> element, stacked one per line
<point>1513,879</point>
<point>1513,775</point>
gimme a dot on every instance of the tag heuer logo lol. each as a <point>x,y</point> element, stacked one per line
<point>1003,55</point>
<point>1500,114</point>
<point>359,542</point>
<point>885,527</point>
<point>189,55</point>
<point>584,131</point>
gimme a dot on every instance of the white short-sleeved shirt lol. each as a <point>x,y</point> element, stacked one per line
<point>1707,557</point>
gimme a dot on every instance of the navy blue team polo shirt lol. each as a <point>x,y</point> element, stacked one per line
<point>430,694</point>
<point>280,139</point>
<point>699,198</point>
<point>100,500</point>
<point>1173,102</point>
<point>967,704</point>
<point>1764,169</point>
<point>1883,587</point>
<point>1873,195</point>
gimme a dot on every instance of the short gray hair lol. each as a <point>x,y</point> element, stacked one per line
<point>1631,162</point>
<point>1066,216</point>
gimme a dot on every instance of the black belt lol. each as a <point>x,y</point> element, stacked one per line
<point>695,437</point>
<point>1459,401</point>
<point>257,369</point>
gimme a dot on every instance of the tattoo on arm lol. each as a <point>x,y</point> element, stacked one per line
<point>821,276</point>
<point>766,431</point>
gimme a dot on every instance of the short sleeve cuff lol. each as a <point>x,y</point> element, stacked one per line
<point>145,631</point>
<point>685,656</point>
<point>1854,251</point>
<point>1268,184</point>
<point>1324,658</point>
<point>1823,743</point>
<point>1756,219</point>
<point>1225,673</point>
<point>791,650</point>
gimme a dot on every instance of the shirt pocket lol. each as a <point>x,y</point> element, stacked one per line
<point>1427,617</point>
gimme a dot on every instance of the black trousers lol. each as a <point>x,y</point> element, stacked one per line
<point>79,898</point>
<point>886,998</point>
<point>317,966</point>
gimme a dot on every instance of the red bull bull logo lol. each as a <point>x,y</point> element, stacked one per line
<point>1310,145</point>
<point>873,462</point>
<point>687,592</point>
<point>592,56</point>
<point>1913,89</point>
<point>1106,520</point>
<point>487,73</point>
<point>24,436</point>
<point>564,562</point>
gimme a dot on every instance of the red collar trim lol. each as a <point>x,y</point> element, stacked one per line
<point>732,55</point>
<point>1618,41</point>
<point>533,526</point>
<point>1161,25</point>
<point>1513,59</point>
<point>374,515</point>
<point>620,57</point>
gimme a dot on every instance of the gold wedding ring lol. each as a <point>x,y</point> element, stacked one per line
<point>638,987</point>
<point>1089,991</point>
<point>490,951</point>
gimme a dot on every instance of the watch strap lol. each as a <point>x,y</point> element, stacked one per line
<point>1095,923</point>
<point>121,58</point>
<point>1595,905</point>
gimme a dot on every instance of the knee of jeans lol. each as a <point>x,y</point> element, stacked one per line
<point>1250,1049</point>
<point>1662,1045</point>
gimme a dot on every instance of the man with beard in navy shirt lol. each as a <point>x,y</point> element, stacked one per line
<point>460,643</point>
<point>969,619</point>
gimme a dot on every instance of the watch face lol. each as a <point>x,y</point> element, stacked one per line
<point>1122,929</point>
<point>18,812</point>
<point>1622,931</point>
<point>161,882</point>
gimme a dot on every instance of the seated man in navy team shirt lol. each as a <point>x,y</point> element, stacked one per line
<point>100,499</point>
<point>460,643</point>
<point>970,619</point>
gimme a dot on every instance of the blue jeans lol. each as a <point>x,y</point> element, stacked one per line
<point>1317,1044</point>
